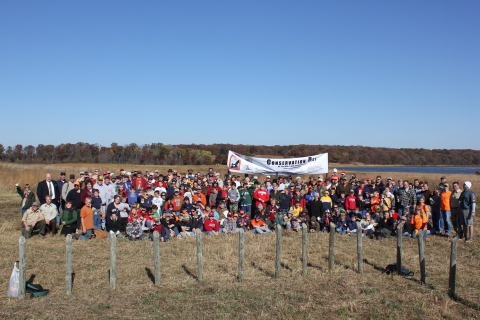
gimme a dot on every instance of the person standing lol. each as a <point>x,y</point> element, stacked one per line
<point>455,205</point>
<point>407,198</point>
<point>86,220</point>
<point>467,212</point>
<point>445,210</point>
<point>28,197</point>
<point>67,187</point>
<point>60,183</point>
<point>48,187</point>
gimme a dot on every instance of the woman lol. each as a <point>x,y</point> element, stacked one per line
<point>87,192</point>
<point>113,207</point>
<point>384,227</point>
<point>69,219</point>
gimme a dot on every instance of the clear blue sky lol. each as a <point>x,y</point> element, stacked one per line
<point>374,73</point>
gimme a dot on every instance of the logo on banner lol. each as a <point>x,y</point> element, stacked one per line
<point>234,163</point>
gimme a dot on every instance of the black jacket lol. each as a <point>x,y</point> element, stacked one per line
<point>42,192</point>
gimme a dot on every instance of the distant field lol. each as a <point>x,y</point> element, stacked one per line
<point>341,294</point>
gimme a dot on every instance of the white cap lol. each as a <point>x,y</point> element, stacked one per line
<point>468,184</point>
<point>334,169</point>
<point>255,177</point>
<point>268,176</point>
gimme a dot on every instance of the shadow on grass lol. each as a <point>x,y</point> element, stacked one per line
<point>188,272</point>
<point>340,264</point>
<point>314,266</point>
<point>376,267</point>
<point>150,275</point>
<point>285,266</point>
<point>466,302</point>
<point>268,273</point>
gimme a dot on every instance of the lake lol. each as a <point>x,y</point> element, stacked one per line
<point>421,169</point>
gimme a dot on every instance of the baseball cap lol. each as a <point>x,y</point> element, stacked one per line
<point>211,214</point>
<point>76,183</point>
<point>468,184</point>
<point>35,204</point>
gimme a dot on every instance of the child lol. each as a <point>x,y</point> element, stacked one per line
<point>342,224</point>
<point>352,225</point>
<point>98,220</point>
<point>132,195</point>
<point>124,209</point>
<point>341,200</point>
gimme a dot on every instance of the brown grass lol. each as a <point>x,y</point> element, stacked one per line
<point>341,294</point>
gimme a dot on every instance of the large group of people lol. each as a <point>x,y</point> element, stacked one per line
<point>136,204</point>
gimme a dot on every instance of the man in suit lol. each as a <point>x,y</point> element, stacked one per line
<point>48,187</point>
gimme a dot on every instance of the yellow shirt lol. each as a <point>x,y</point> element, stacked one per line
<point>297,211</point>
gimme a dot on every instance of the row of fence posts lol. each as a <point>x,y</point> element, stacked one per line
<point>241,257</point>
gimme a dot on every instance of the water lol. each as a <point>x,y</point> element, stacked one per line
<point>421,169</point>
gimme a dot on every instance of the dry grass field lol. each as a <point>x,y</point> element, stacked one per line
<point>340,294</point>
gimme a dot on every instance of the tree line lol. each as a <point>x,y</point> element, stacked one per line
<point>200,154</point>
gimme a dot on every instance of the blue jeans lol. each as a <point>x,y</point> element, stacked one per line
<point>23,212</point>
<point>186,234</point>
<point>166,233</point>
<point>247,209</point>
<point>210,233</point>
<point>97,221</point>
<point>87,235</point>
<point>260,230</point>
<point>445,222</point>
<point>436,221</point>
<point>341,231</point>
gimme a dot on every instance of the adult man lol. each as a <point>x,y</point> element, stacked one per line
<point>102,191</point>
<point>275,194</point>
<point>315,208</point>
<point>67,187</point>
<point>467,207</point>
<point>455,204</point>
<point>245,199</point>
<point>445,209</point>
<point>48,187</point>
<point>407,197</point>
<point>134,230</point>
<point>258,226</point>
<point>60,183</point>
<point>110,190</point>
<point>33,220</point>
<point>139,182</point>
<point>229,225</point>
<point>50,213</point>
<point>28,197</point>
<point>443,180</point>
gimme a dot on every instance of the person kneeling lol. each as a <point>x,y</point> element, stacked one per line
<point>33,220</point>
<point>134,230</point>
<point>113,224</point>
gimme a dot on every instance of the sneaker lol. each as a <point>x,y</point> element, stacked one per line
<point>469,239</point>
<point>41,236</point>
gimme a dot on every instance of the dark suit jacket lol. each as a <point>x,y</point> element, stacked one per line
<point>42,192</point>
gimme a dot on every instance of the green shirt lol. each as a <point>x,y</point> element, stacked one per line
<point>245,197</point>
<point>467,199</point>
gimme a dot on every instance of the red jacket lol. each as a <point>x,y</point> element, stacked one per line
<point>350,203</point>
<point>143,183</point>
<point>211,225</point>
<point>261,195</point>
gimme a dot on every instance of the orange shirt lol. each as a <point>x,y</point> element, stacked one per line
<point>445,204</point>
<point>87,215</point>
<point>256,224</point>
<point>419,221</point>
<point>199,197</point>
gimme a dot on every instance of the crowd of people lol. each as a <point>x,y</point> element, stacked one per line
<point>135,204</point>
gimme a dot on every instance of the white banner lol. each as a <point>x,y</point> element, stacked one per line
<point>237,162</point>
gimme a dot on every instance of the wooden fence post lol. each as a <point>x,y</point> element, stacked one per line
<point>113,260</point>
<point>359,247</point>
<point>22,267</point>
<point>156,257</point>
<point>331,249</point>
<point>453,268</point>
<point>68,254</point>
<point>241,254</point>
<point>304,249</point>
<point>399,248</point>
<point>278,257</point>
<point>421,256</point>
<point>199,256</point>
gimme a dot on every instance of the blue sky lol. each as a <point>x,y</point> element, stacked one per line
<point>375,73</point>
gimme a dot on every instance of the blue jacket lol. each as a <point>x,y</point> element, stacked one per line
<point>132,196</point>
